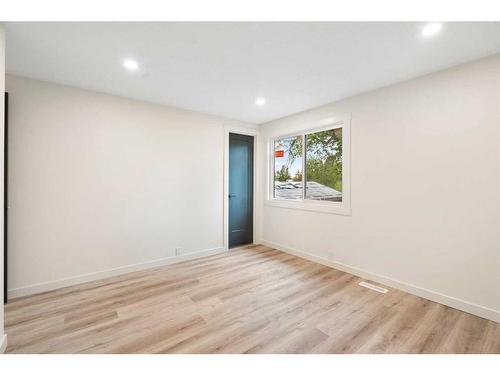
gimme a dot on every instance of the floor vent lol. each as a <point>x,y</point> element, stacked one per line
<point>373,287</point>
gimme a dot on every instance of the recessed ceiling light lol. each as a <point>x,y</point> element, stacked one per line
<point>130,64</point>
<point>431,29</point>
<point>260,101</point>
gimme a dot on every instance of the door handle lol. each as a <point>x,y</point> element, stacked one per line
<point>232,195</point>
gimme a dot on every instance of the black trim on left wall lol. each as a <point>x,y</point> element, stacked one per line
<point>5,191</point>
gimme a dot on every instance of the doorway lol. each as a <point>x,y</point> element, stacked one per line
<point>5,191</point>
<point>240,194</point>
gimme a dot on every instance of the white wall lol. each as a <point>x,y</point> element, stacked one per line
<point>2,89</point>
<point>98,182</point>
<point>425,189</point>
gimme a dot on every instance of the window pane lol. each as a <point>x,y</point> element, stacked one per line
<point>324,165</point>
<point>288,168</point>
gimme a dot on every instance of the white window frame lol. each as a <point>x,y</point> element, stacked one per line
<point>340,208</point>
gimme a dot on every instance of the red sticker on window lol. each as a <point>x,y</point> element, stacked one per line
<point>279,153</point>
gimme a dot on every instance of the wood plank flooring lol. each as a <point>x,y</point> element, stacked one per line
<point>251,300</point>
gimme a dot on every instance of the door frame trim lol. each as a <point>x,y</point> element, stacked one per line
<point>255,134</point>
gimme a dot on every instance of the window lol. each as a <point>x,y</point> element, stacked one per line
<point>315,160</point>
<point>324,165</point>
<point>288,168</point>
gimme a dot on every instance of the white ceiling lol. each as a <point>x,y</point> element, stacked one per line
<point>220,68</point>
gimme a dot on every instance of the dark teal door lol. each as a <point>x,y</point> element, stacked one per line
<point>240,189</point>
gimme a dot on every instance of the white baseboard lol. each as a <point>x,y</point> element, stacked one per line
<point>469,307</point>
<point>70,281</point>
<point>3,344</point>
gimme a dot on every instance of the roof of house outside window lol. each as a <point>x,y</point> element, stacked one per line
<point>315,190</point>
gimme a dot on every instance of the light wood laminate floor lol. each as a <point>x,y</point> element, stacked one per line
<point>251,300</point>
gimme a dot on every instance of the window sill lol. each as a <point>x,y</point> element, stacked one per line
<point>330,208</point>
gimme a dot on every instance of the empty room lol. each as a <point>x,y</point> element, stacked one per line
<point>251,187</point>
